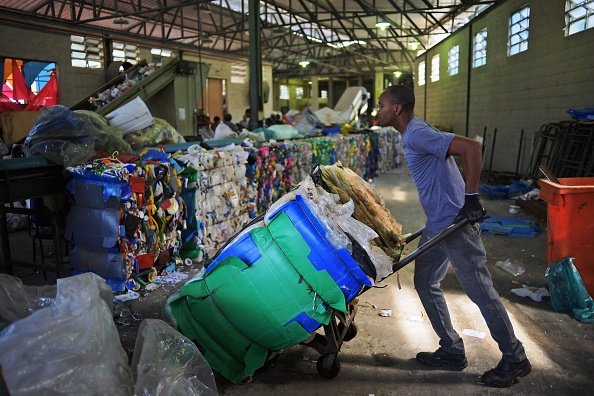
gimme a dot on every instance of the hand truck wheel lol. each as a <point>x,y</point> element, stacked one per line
<point>328,365</point>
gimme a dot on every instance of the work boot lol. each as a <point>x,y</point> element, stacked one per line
<point>506,374</point>
<point>441,358</point>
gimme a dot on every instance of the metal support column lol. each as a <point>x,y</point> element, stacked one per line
<point>255,58</point>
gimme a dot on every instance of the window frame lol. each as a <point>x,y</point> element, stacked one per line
<point>587,18</point>
<point>522,44</point>
<point>453,70</point>
<point>481,50</point>
<point>86,52</point>
<point>421,76</point>
<point>435,75</point>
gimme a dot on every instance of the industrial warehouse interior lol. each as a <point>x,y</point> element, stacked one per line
<point>270,197</point>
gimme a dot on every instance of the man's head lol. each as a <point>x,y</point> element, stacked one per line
<point>227,117</point>
<point>395,106</point>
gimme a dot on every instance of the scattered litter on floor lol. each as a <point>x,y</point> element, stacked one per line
<point>415,318</point>
<point>128,296</point>
<point>513,209</point>
<point>510,226</point>
<point>385,312</point>
<point>171,278</point>
<point>151,286</point>
<point>530,195</point>
<point>535,293</point>
<point>509,267</point>
<point>473,333</point>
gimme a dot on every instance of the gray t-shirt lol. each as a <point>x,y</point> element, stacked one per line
<point>435,174</point>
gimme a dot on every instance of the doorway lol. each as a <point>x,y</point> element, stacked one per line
<point>215,94</point>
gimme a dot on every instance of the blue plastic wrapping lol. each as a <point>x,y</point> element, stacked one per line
<point>92,228</point>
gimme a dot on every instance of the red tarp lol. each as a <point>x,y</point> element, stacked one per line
<point>48,96</point>
<point>20,89</point>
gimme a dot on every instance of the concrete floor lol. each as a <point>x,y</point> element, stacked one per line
<point>380,359</point>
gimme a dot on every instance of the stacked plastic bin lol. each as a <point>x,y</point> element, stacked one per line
<point>268,290</point>
<point>93,226</point>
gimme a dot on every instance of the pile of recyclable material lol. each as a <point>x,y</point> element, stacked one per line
<point>219,199</point>
<point>125,218</point>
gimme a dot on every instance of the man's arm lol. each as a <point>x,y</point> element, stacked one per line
<point>472,162</point>
<point>470,151</point>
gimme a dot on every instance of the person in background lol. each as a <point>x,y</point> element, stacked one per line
<point>227,121</point>
<point>277,118</point>
<point>215,121</point>
<point>245,122</point>
<point>447,197</point>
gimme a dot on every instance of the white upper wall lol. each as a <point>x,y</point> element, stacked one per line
<point>510,93</point>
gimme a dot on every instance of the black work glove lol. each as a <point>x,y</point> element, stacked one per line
<point>472,210</point>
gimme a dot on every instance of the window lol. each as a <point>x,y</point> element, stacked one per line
<point>161,52</point>
<point>519,23</point>
<point>299,92</point>
<point>42,78</point>
<point>122,52</point>
<point>324,94</point>
<point>579,16</point>
<point>284,92</point>
<point>453,60</point>
<point>86,52</point>
<point>435,68</point>
<point>479,46</point>
<point>421,75</point>
<point>238,73</point>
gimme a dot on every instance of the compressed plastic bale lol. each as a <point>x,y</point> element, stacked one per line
<point>71,347</point>
<point>167,363</point>
<point>240,311</point>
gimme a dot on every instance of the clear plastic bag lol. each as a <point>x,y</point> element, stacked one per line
<point>70,138</point>
<point>309,124</point>
<point>71,347</point>
<point>160,133</point>
<point>19,301</point>
<point>167,363</point>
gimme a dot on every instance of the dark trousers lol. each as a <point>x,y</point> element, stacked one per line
<point>465,251</point>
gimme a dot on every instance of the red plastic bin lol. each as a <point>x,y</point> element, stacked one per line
<point>570,221</point>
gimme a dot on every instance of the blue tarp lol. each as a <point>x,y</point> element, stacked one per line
<point>510,226</point>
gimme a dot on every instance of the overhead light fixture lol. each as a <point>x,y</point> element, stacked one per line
<point>413,46</point>
<point>207,40</point>
<point>397,73</point>
<point>304,63</point>
<point>121,21</point>
<point>383,25</point>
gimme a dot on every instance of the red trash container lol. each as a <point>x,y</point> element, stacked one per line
<point>570,221</point>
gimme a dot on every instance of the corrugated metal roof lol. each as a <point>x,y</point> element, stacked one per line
<point>335,36</point>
